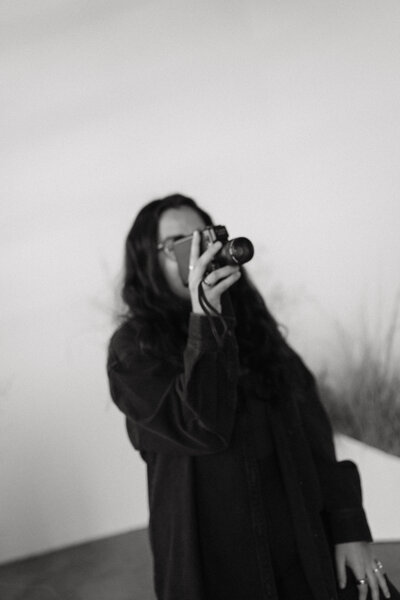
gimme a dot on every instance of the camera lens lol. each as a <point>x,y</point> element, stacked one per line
<point>236,252</point>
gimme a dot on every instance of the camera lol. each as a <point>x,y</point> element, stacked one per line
<point>233,252</point>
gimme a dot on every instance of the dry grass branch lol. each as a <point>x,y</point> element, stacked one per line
<point>364,401</point>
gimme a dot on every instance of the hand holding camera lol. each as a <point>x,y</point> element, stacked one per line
<point>215,282</point>
<point>208,258</point>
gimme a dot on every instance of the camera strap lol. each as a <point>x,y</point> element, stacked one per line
<point>211,313</point>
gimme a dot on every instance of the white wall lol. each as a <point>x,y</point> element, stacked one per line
<point>281,118</point>
<point>380,478</point>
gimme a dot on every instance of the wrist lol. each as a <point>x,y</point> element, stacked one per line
<point>197,310</point>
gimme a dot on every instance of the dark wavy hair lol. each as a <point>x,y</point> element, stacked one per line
<point>159,318</point>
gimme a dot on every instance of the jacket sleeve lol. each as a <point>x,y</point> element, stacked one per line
<point>189,412</point>
<point>339,480</point>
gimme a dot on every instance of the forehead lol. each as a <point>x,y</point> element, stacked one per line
<point>179,221</point>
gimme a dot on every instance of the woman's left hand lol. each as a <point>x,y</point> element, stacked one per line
<point>359,557</point>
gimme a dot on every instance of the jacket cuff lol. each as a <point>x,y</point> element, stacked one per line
<point>349,525</point>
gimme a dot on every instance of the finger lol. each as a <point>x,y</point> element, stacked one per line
<point>341,571</point>
<point>382,583</point>
<point>221,273</point>
<point>373,584</point>
<point>194,248</point>
<point>362,589</point>
<point>360,575</point>
<point>208,255</point>
<point>379,566</point>
<point>224,284</point>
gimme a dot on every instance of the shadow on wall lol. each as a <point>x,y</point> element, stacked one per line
<point>364,401</point>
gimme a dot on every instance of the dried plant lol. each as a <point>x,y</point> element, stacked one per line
<point>364,401</point>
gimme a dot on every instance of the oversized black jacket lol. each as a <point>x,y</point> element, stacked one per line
<point>185,421</point>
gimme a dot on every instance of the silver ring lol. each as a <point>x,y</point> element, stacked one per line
<point>376,570</point>
<point>206,283</point>
<point>362,582</point>
<point>378,564</point>
<point>191,267</point>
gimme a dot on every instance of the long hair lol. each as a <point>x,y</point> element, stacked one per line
<point>159,318</point>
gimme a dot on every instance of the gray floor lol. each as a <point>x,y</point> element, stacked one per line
<point>115,568</point>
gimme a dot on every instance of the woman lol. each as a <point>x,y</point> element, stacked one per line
<point>246,498</point>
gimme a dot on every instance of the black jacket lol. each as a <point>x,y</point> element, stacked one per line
<point>186,423</point>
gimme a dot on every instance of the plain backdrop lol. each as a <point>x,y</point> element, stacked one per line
<point>281,118</point>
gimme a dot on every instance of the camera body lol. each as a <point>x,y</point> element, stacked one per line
<point>233,252</point>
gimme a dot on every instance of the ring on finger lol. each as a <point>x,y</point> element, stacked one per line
<point>362,582</point>
<point>207,283</point>
<point>191,267</point>
<point>378,564</point>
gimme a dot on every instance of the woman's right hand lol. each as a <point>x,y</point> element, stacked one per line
<point>216,282</point>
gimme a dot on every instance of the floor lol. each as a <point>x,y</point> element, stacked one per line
<point>114,568</point>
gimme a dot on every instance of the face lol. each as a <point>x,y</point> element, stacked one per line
<point>180,221</point>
